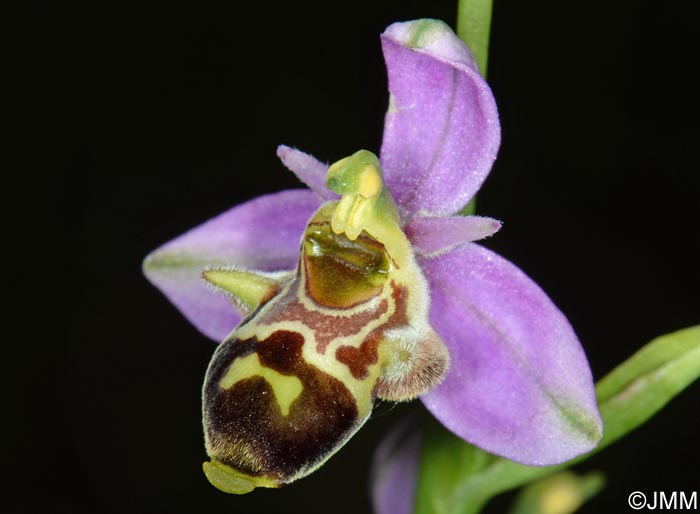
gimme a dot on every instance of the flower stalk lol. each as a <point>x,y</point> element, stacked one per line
<point>474,28</point>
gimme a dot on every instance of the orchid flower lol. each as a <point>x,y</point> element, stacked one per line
<point>513,379</point>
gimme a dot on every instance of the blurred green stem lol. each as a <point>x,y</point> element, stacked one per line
<point>474,27</point>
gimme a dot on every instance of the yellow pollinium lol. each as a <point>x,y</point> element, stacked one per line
<point>371,182</point>
<point>366,204</point>
<point>359,179</point>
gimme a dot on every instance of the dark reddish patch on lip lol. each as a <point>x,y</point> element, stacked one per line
<point>359,359</point>
<point>325,327</point>
<point>244,424</point>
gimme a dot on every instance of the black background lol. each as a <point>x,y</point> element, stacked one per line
<point>163,118</point>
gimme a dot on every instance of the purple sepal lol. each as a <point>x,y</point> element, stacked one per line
<point>308,169</point>
<point>519,384</point>
<point>441,131</point>
<point>262,234</point>
<point>434,236</point>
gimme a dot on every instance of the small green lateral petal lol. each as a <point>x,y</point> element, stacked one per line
<point>249,289</point>
<point>262,234</point>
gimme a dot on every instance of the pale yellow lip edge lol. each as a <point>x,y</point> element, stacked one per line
<point>228,480</point>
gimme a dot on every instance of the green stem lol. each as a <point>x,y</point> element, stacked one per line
<point>474,27</point>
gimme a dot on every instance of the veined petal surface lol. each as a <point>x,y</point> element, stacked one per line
<point>433,236</point>
<point>262,234</point>
<point>441,131</point>
<point>519,384</point>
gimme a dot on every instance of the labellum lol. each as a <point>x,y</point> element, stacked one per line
<point>299,375</point>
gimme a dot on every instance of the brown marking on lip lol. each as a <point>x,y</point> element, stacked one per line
<point>359,359</point>
<point>325,327</point>
<point>429,359</point>
<point>245,427</point>
<point>319,224</point>
<point>400,317</point>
